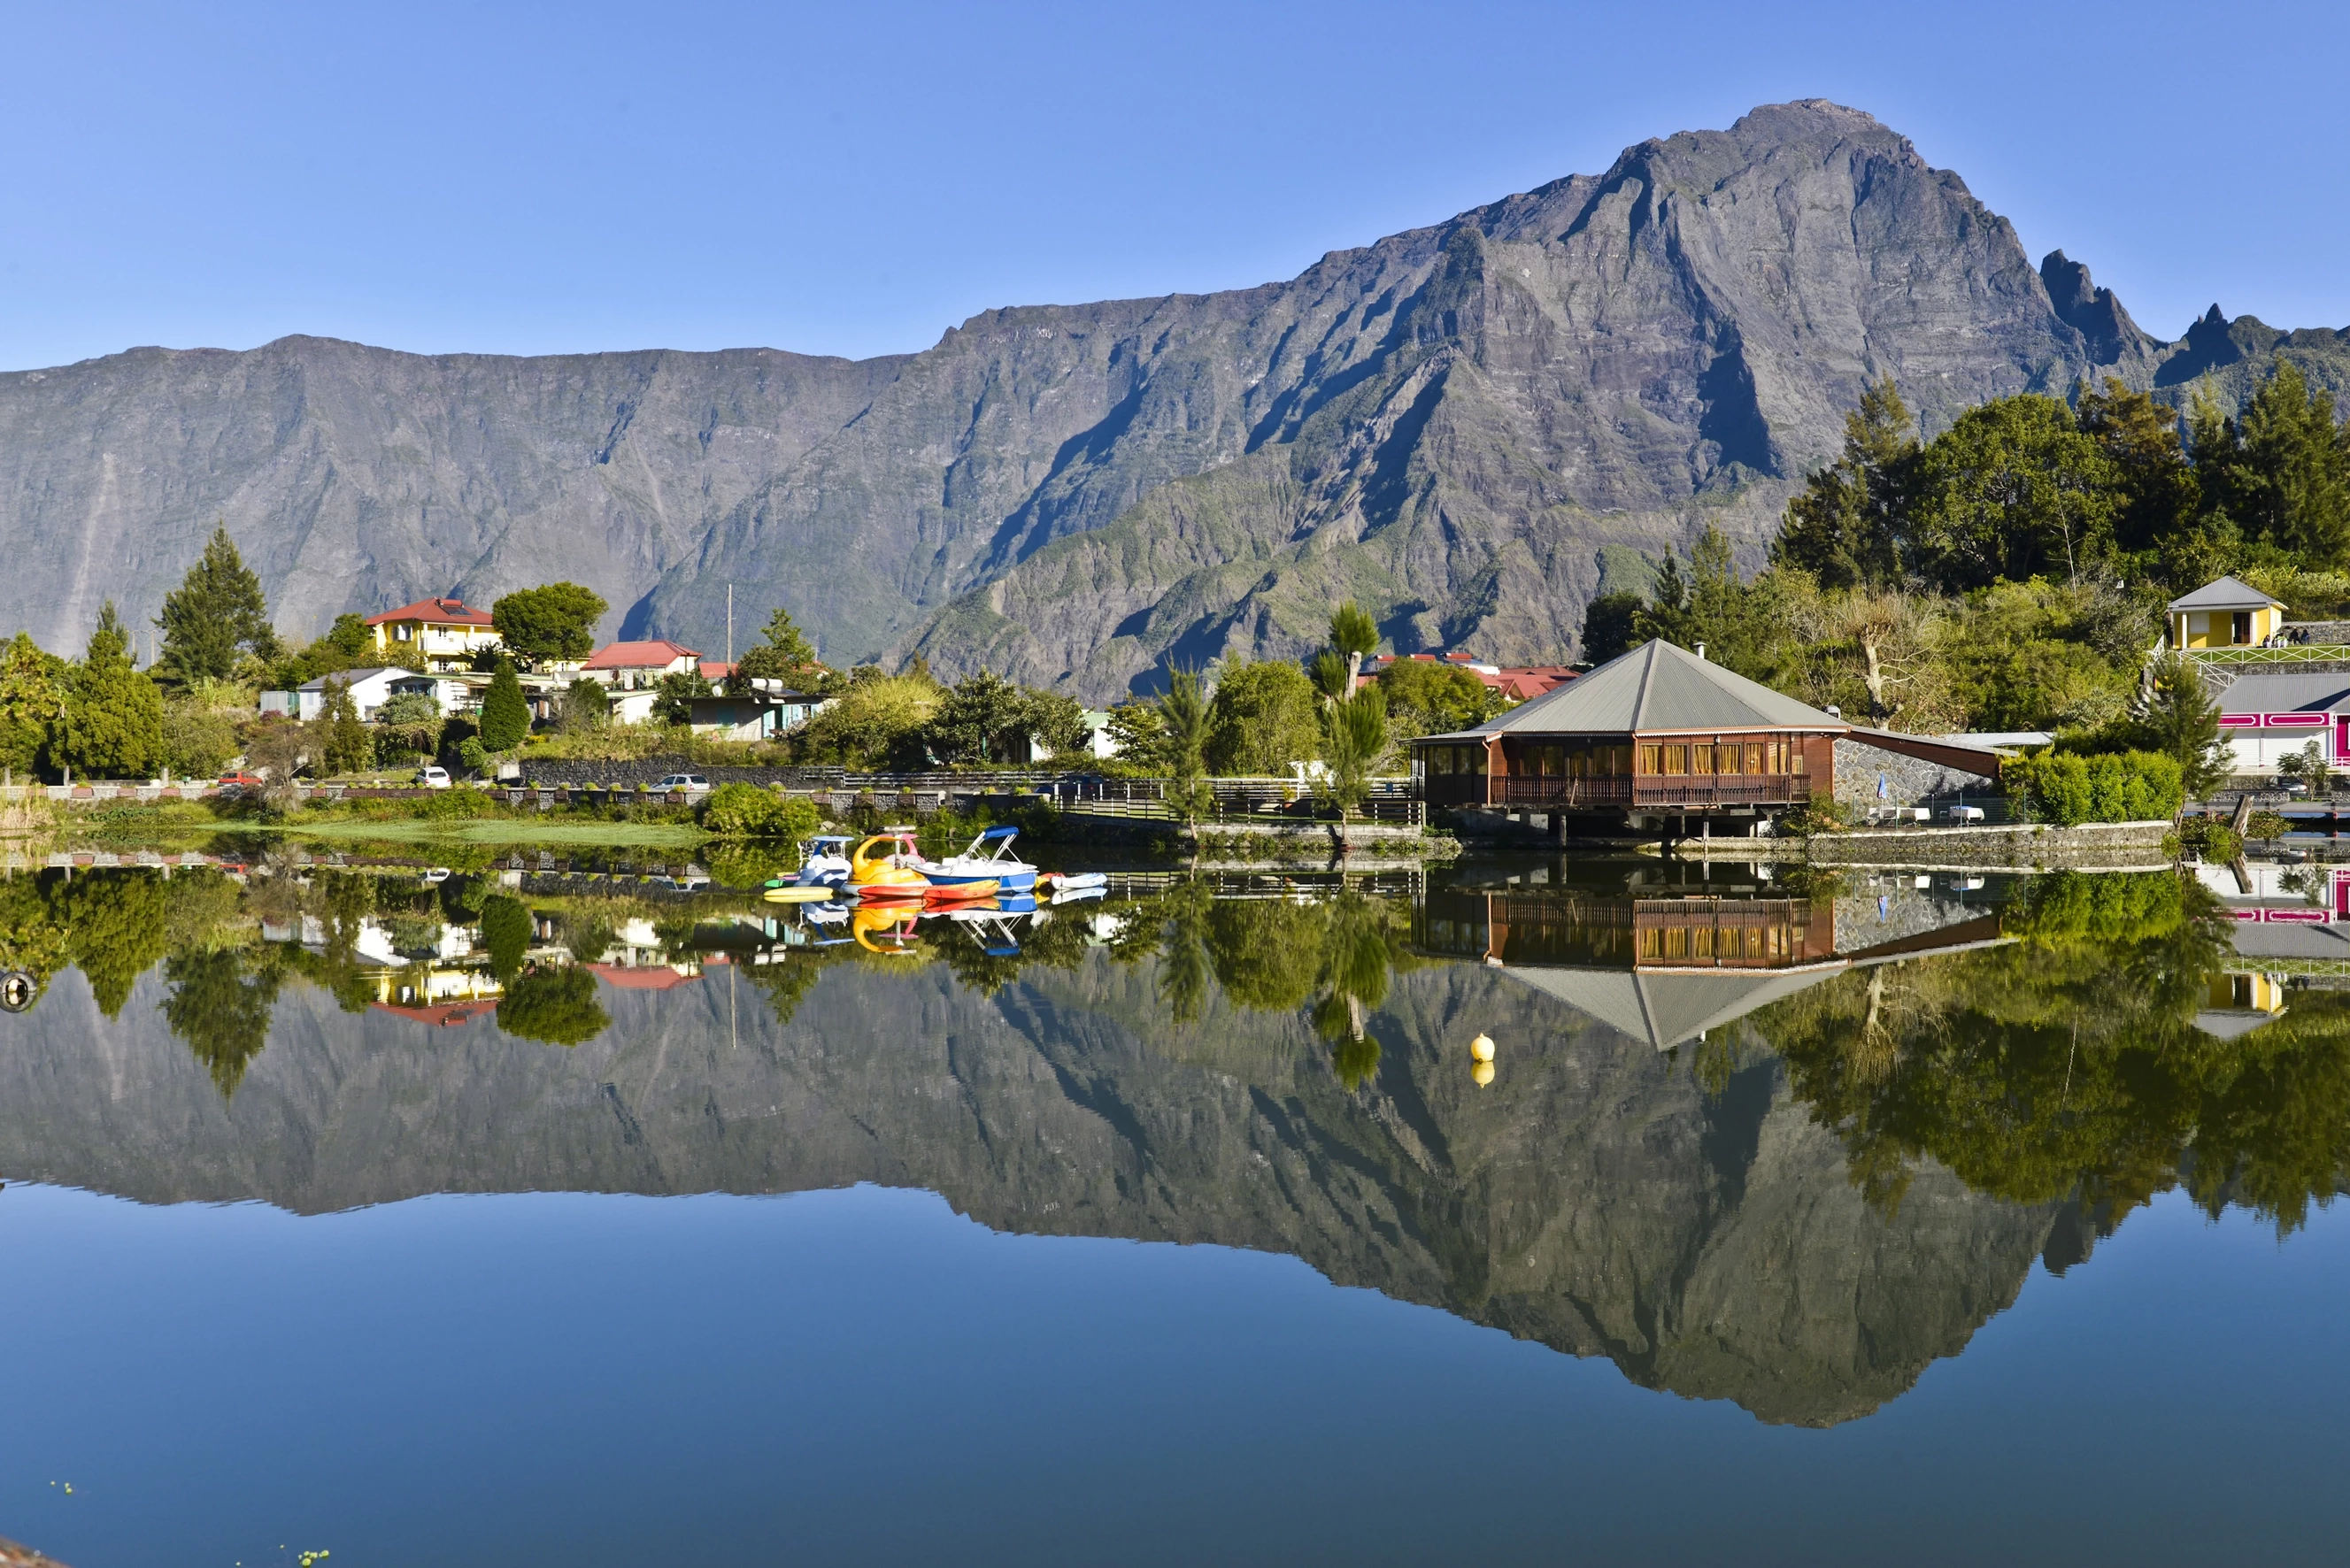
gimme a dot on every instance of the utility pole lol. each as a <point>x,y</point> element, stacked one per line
<point>730,624</point>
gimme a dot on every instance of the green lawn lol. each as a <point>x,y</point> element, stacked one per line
<point>480,830</point>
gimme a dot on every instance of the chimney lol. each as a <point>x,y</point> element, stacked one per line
<point>1700,650</point>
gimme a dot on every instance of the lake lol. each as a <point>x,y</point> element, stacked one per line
<point>527,1209</point>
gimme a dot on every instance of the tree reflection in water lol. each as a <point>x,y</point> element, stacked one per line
<point>2063,1064</point>
<point>2068,1062</point>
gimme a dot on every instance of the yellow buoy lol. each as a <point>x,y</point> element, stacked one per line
<point>1482,1048</point>
<point>1482,1074</point>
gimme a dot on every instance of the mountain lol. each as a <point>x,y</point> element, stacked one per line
<point>1453,425</point>
<point>1594,1199</point>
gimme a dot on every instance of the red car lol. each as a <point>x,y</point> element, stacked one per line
<point>240,781</point>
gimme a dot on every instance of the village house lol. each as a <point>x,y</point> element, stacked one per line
<point>1661,742</point>
<point>2269,714</point>
<point>370,689</point>
<point>1519,683</point>
<point>632,672</point>
<point>444,633</point>
<point>2224,614</point>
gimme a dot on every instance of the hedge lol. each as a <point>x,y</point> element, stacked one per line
<point>2124,786</point>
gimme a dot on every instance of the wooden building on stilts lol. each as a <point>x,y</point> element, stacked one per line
<point>1658,744</point>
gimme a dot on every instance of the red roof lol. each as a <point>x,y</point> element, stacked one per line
<point>716,670</point>
<point>442,612</point>
<point>1529,681</point>
<point>651,977</point>
<point>639,655</point>
<point>447,1015</point>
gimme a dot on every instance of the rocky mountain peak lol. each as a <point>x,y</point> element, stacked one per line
<point>1452,424</point>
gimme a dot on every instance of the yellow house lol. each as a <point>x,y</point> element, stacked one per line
<point>2225,614</point>
<point>446,633</point>
<point>2238,1004</point>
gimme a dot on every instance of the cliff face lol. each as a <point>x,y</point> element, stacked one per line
<point>1451,424</point>
<point>1593,1198</point>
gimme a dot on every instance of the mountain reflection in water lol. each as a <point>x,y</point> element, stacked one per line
<point>1778,1140</point>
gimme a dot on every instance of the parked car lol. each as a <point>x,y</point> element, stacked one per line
<point>682,781</point>
<point>434,778</point>
<point>240,781</point>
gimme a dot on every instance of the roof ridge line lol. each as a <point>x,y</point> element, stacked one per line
<point>1648,671</point>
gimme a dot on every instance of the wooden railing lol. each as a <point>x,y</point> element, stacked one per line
<point>1697,789</point>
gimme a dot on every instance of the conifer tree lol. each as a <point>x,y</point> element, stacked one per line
<point>506,715</point>
<point>32,690</point>
<point>216,610</point>
<point>346,745</point>
<point>111,723</point>
<point>786,655</point>
<point>1848,525</point>
<point>2279,471</point>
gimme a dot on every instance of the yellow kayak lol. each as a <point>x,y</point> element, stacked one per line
<point>797,895</point>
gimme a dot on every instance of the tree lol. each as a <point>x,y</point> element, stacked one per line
<point>1432,696</point>
<point>554,1004</point>
<point>785,654</point>
<point>1138,735</point>
<point>1261,720</point>
<point>197,741</point>
<point>1183,714</point>
<point>112,725</point>
<point>1740,625</point>
<point>1847,526</point>
<point>1358,738</point>
<point>2011,491</point>
<point>673,699</point>
<point>32,693</point>
<point>554,624</point>
<point>220,1005</point>
<point>1610,626</point>
<point>408,710</point>
<point>346,745</point>
<point>216,610</point>
<point>506,715</point>
<point>2280,472</point>
<point>585,707</point>
<point>2182,722</point>
<point>876,721</point>
<point>2158,495</point>
<point>1354,635</point>
<point>988,718</point>
<point>1327,670</point>
<point>506,930</point>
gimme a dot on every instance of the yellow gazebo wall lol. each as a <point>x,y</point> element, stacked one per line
<point>2215,628</point>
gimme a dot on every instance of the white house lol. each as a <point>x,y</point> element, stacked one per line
<point>632,671</point>
<point>2268,714</point>
<point>369,688</point>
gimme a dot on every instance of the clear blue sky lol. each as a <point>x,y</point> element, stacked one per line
<point>853,179</point>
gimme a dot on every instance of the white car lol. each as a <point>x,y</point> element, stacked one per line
<point>434,778</point>
<point>682,781</point>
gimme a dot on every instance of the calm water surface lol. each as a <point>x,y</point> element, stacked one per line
<point>518,1216</point>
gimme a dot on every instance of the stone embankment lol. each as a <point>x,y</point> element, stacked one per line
<point>2100,845</point>
<point>12,1555</point>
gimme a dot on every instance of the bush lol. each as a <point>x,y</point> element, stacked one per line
<point>746,811</point>
<point>2266,825</point>
<point>2066,790</point>
<point>2210,838</point>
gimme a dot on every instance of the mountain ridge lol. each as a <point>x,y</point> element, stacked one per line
<point>1451,423</point>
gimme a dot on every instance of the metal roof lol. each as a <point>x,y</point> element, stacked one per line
<point>2283,693</point>
<point>1657,686</point>
<point>2227,593</point>
<point>1665,1008</point>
